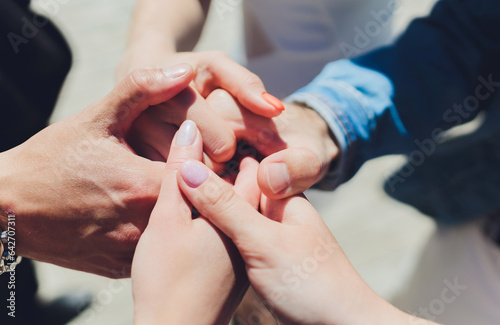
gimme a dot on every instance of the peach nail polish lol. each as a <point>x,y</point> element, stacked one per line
<point>275,102</point>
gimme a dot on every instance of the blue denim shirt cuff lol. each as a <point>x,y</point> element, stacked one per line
<point>340,127</point>
<point>356,103</point>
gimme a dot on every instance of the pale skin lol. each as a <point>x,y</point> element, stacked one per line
<point>81,195</point>
<point>291,258</point>
<point>200,261</point>
<point>167,27</point>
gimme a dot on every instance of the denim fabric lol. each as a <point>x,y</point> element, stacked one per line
<point>441,72</point>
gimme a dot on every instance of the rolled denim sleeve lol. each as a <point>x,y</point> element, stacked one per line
<point>433,78</point>
<point>355,102</point>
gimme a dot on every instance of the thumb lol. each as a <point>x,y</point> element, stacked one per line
<point>216,200</point>
<point>139,90</point>
<point>289,171</point>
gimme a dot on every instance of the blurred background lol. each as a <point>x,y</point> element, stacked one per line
<point>383,238</point>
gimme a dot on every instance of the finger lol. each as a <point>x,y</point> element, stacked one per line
<point>260,132</point>
<point>138,91</point>
<point>216,200</point>
<point>186,145</point>
<point>218,168</point>
<point>218,137</point>
<point>246,185</point>
<point>289,172</point>
<point>247,87</point>
<point>295,210</point>
<point>151,138</point>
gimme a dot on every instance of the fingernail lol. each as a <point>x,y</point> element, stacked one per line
<point>278,177</point>
<point>186,134</point>
<point>194,173</point>
<point>275,102</point>
<point>176,71</point>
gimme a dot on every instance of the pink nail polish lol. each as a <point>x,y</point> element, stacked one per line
<point>194,173</point>
<point>186,134</point>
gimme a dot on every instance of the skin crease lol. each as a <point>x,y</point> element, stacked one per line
<point>299,137</point>
<point>188,258</point>
<point>215,70</point>
<point>291,258</point>
<point>81,195</point>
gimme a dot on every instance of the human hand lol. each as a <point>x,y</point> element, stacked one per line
<point>80,195</point>
<point>292,259</point>
<point>186,271</point>
<point>213,70</point>
<point>298,144</point>
<point>151,134</point>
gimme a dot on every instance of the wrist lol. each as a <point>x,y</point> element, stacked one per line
<point>151,39</point>
<point>7,199</point>
<point>325,137</point>
<point>145,53</point>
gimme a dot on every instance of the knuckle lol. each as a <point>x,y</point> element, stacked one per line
<point>314,164</point>
<point>141,81</point>
<point>220,197</point>
<point>219,96</point>
<point>253,80</point>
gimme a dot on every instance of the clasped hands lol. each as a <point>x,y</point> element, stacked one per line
<point>83,192</point>
<point>83,188</point>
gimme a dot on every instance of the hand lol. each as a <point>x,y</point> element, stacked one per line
<point>213,70</point>
<point>150,136</point>
<point>80,195</point>
<point>292,260</point>
<point>298,144</point>
<point>185,271</point>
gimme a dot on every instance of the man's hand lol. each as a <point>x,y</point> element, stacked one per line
<point>297,144</point>
<point>81,196</point>
<point>185,271</point>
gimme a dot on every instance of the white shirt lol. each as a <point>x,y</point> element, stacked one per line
<point>289,41</point>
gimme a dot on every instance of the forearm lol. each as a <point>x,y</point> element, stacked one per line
<point>190,302</point>
<point>170,24</point>
<point>391,100</point>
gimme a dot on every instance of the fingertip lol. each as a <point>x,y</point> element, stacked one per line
<point>223,148</point>
<point>194,173</point>
<point>289,172</point>
<point>264,104</point>
<point>273,101</point>
<point>274,179</point>
<point>216,167</point>
<point>249,162</point>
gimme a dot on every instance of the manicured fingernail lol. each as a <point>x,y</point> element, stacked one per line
<point>186,134</point>
<point>194,173</point>
<point>176,71</point>
<point>275,102</point>
<point>278,177</point>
